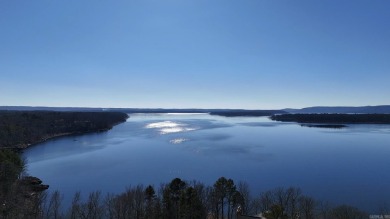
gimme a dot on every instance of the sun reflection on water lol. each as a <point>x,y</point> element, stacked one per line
<point>167,127</point>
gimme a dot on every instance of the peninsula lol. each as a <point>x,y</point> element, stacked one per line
<point>20,129</point>
<point>334,118</point>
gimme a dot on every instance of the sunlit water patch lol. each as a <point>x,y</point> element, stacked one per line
<point>167,127</point>
<point>178,140</point>
<point>164,124</point>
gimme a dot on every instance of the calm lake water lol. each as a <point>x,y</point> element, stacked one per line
<point>349,165</point>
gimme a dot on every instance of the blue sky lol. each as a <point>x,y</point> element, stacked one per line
<point>255,54</point>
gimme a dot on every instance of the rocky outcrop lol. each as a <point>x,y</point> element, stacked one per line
<point>33,184</point>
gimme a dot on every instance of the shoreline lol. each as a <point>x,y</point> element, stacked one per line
<point>21,130</point>
<point>54,137</point>
<point>334,119</point>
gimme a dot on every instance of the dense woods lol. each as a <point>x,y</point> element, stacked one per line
<point>334,118</point>
<point>19,129</point>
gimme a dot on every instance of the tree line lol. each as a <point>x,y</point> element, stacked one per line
<point>334,118</point>
<point>22,196</point>
<point>237,113</point>
<point>19,129</point>
<point>179,199</point>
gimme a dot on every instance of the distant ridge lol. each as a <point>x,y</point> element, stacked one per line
<point>383,109</point>
<point>222,112</point>
<point>100,109</point>
<point>239,113</point>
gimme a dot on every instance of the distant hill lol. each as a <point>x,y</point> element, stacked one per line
<point>384,109</point>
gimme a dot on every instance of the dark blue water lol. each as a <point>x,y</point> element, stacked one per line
<point>349,165</point>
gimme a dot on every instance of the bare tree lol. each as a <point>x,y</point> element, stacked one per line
<point>324,210</point>
<point>230,192</point>
<point>256,206</point>
<point>75,208</point>
<point>292,197</point>
<point>307,206</point>
<point>38,205</point>
<point>139,201</point>
<point>109,201</point>
<point>54,206</point>
<point>93,209</point>
<point>267,200</point>
<point>244,190</point>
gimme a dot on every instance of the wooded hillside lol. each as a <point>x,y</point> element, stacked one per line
<point>18,129</point>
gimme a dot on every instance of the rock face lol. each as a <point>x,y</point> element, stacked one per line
<point>33,184</point>
<point>22,198</point>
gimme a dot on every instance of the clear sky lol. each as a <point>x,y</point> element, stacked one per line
<point>255,54</point>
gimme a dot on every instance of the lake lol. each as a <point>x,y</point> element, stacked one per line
<point>346,165</point>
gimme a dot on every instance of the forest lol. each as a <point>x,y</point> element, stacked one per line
<point>334,118</point>
<point>19,129</point>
